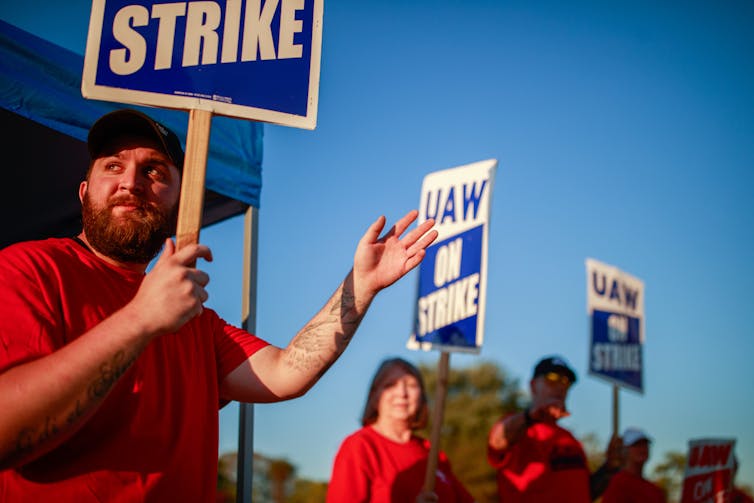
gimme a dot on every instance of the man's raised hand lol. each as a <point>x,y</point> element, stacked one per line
<point>381,261</point>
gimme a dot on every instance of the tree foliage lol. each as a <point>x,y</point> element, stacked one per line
<point>668,474</point>
<point>476,397</point>
<point>594,450</point>
<point>226,481</point>
<point>308,491</point>
<point>280,472</point>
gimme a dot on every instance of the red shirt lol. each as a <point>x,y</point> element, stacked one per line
<point>372,468</point>
<point>625,487</point>
<point>738,496</point>
<point>155,436</point>
<point>548,464</point>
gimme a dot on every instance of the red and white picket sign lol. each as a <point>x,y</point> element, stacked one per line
<point>709,471</point>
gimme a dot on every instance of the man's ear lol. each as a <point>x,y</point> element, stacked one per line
<point>82,191</point>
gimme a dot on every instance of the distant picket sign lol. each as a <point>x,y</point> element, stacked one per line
<point>452,286</point>
<point>250,59</point>
<point>615,305</point>
<point>708,476</point>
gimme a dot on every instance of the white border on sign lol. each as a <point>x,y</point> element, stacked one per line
<point>489,168</point>
<point>618,382</point>
<point>594,302</point>
<point>92,91</point>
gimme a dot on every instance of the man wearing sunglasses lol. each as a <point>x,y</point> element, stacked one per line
<point>536,459</point>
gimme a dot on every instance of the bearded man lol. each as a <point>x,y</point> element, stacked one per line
<point>111,377</point>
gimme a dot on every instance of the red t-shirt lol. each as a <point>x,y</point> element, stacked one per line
<point>155,436</point>
<point>738,496</point>
<point>548,464</point>
<point>626,487</point>
<point>370,467</point>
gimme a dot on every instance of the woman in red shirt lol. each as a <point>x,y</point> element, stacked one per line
<point>385,461</point>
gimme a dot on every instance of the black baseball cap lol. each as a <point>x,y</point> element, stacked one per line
<point>129,122</point>
<point>555,364</point>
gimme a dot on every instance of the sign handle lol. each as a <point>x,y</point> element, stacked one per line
<point>437,415</point>
<point>616,409</point>
<point>194,173</point>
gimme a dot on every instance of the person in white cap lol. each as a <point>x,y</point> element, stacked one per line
<point>629,484</point>
<point>111,377</point>
<point>537,460</point>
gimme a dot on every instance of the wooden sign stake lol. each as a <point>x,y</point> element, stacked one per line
<point>437,415</point>
<point>194,173</point>
<point>616,410</point>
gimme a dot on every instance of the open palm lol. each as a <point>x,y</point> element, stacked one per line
<point>381,261</point>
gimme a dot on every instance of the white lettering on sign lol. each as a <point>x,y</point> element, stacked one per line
<point>286,48</point>
<point>257,31</point>
<point>448,262</point>
<point>616,357</point>
<point>129,60</point>
<point>617,328</point>
<point>167,14</point>
<point>455,302</point>
<point>452,207</point>
<point>202,42</point>
<point>202,22</point>
<point>702,488</point>
<point>710,455</point>
<point>231,31</point>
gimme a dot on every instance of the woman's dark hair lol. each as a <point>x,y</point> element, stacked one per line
<point>380,382</point>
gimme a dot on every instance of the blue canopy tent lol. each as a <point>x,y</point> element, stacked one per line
<point>45,120</point>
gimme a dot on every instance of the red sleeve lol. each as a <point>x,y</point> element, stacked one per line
<point>615,490</point>
<point>234,346</point>
<point>738,496</point>
<point>497,458</point>
<point>349,482</point>
<point>30,325</point>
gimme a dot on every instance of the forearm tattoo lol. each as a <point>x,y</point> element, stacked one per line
<point>321,342</point>
<point>109,374</point>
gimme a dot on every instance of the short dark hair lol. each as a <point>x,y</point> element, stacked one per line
<point>380,382</point>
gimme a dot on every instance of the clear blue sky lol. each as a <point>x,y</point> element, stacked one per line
<point>624,132</point>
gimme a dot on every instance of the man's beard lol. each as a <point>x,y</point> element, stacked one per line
<point>134,237</point>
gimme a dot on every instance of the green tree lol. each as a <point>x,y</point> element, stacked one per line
<point>226,480</point>
<point>476,397</point>
<point>280,472</point>
<point>308,491</point>
<point>594,449</point>
<point>668,474</point>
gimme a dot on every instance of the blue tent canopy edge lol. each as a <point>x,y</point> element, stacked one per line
<point>42,82</point>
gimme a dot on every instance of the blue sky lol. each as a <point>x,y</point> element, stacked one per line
<point>624,132</point>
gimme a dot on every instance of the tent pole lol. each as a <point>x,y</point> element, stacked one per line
<point>245,468</point>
